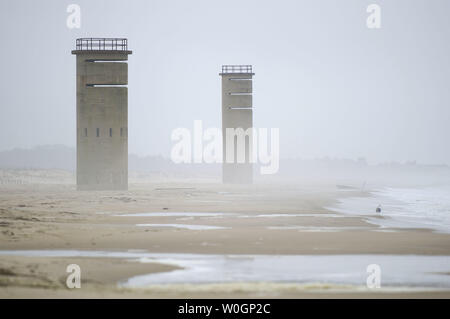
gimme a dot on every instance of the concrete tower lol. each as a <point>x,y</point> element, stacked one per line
<point>102,113</point>
<point>237,113</point>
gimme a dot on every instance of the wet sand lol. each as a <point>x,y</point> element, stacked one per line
<point>58,217</point>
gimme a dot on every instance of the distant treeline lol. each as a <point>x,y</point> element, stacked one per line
<point>64,158</point>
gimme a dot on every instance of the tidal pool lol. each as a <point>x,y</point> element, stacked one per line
<point>397,271</point>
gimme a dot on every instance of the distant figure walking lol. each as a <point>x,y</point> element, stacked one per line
<point>378,210</point>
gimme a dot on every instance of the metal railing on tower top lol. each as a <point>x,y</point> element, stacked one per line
<point>100,44</point>
<point>237,69</point>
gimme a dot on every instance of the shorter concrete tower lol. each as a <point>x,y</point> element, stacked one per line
<point>102,113</point>
<point>237,113</point>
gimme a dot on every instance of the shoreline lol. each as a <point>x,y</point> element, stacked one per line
<point>55,218</point>
<point>423,208</point>
<point>46,275</point>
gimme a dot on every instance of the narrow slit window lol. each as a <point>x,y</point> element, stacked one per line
<point>240,93</point>
<point>90,85</point>
<point>110,132</point>
<point>85,131</point>
<point>98,132</point>
<point>121,131</point>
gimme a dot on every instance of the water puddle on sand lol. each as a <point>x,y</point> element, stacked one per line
<point>397,271</point>
<point>174,214</point>
<point>212,214</point>
<point>183,226</point>
<point>291,215</point>
<point>316,228</point>
<point>208,201</point>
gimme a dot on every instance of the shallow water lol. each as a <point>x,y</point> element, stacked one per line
<point>174,214</point>
<point>396,270</point>
<point>316,228</point>
<point>427,207</point>
<point>184,226</point>
<point>290,215</point>
<point>212,214</point>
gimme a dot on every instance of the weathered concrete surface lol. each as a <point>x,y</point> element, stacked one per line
<point>102,120</point>
<point>232,83</point>
<point>106,73</point>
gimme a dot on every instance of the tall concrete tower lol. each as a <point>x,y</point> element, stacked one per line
<point>102,113</point>
<point>237,113</point>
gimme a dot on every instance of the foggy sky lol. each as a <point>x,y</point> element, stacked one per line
<point>334,87</point>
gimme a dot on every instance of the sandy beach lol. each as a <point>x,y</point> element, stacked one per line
<point>224,150</point>
<point>177,217</point>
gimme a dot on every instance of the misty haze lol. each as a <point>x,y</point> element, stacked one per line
<point>225,149</point>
